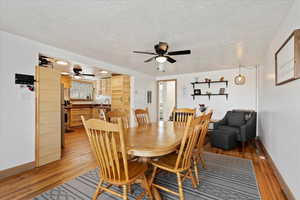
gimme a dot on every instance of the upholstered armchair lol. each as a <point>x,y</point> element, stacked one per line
<point>241,123</point>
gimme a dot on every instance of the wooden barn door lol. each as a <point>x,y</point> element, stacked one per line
<point>48,116</point>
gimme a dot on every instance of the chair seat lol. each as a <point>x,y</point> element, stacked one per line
<point>167,162</point>
<point>135,169</point>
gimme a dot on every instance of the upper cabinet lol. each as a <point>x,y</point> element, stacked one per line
<point>81,91</point>
<point>66,80</point>
<point>103,87</point>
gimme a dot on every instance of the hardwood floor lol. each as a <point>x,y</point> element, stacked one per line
<point>78,159</point>
<point>268,184</point>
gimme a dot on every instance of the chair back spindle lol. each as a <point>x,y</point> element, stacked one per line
<point>180,115</point>
<point>204,123</point>
<point>113,116</point>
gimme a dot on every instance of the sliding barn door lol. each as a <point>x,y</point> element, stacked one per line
<point>48,116</point>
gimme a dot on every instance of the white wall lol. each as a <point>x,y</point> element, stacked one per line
<point>279,125</point>
<point>17,116</point>
<point>139,96</point>
<point>240,97</point>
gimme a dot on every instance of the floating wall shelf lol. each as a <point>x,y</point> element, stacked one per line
<point>209,95</point>
<point>209,83</point>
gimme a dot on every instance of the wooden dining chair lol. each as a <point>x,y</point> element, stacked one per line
<point>113,116</point>
<point>209,115</point>
<point>142,116</point>
<point>109,148</point>
<point>179,163</point>
<point>198,151</point>
<point>180,115</point>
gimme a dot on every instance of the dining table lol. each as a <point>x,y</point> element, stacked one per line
<point>153,140</point>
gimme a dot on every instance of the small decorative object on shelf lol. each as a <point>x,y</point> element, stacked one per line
<point>222,78</point>
<point>202,108</point>
<point>207,80</point>
<point>208,92</point>
<point>197,91</point>
<point>222,91</point>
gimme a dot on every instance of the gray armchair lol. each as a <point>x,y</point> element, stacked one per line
<point>241,123</point>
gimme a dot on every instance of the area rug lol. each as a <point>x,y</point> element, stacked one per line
<point>226,178</point>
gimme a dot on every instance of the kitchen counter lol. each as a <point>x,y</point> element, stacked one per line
<point>90,105</point>
<point>88,111</point>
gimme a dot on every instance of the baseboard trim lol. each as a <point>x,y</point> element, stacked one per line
<point>16,170</point>
<point>286,190</point>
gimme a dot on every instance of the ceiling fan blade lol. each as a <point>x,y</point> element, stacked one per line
<point>183,52</point>
<point>171,60</point>
<point>144,52</point>
<point>150,59</point>
<point>87,74</point>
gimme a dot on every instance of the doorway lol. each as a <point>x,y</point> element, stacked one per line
<point>66,91</point>
<point>167,98</point>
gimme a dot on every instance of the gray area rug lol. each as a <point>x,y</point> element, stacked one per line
<point>226,178</point>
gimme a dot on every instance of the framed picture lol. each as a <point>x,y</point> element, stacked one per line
<point>287,60</point>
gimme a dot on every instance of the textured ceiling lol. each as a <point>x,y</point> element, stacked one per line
<point>220,33</point>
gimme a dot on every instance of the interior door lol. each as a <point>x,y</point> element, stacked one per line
<point>48,116</point>
<point>167,98</point>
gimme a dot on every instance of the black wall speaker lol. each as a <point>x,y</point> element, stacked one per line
<point>24,79</point>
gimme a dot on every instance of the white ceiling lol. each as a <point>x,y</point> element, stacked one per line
<point>220,33</point>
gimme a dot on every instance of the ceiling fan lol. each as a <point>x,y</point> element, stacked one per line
<point>78,71</point>
<point>161,54</point>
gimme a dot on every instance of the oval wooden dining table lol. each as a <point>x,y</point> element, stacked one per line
<point>152,140</point>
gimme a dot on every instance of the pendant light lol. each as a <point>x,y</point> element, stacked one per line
<point>240,79</point>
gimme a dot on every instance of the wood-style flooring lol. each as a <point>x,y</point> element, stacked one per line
<point>77,159</point>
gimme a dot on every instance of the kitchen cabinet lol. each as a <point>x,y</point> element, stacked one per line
<point>66,80</point>
<point>82,90</point>
<point>76,114</point>
<point>103,87</point>
<point>88,111</point>
<point>120,93</point>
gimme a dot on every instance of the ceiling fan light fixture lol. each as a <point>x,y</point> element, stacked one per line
<point>104,72</point>
<point>161,59</point>
<point>65,73</point>
<point>61,62</point>
<point>76,77</point>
